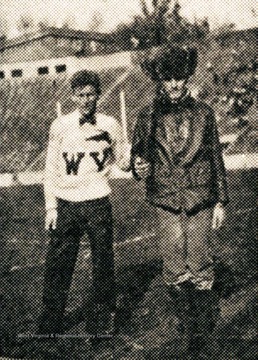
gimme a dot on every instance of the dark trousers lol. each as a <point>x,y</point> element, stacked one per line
<point>93,217</point>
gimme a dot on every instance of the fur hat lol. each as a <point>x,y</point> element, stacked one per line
<point>165,63</point>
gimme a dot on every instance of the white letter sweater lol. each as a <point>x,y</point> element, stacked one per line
<point>79,158</point>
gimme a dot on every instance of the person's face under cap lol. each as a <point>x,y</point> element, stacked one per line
<point>175,89</point>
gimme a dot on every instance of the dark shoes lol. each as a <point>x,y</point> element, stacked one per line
<point>182,294</point>
<point>196,310</point>
<point>105,321</point>
<point>104,324</point>
<point>50,323</point>
<point>182,306</point>
<point>207,309</point>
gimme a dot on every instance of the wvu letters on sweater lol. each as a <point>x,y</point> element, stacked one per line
<point>79,158</point>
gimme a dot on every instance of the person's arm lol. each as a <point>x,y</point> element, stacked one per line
<point>50,177</point>
<point>140,167</point>
<point>219,213</point>
<point>218,164</point>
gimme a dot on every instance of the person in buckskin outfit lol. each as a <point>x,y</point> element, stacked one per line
<point>176,150</point>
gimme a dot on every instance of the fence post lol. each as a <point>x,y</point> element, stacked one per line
<point>58,109</point>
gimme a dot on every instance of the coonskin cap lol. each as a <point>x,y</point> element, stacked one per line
<point>165,63</point>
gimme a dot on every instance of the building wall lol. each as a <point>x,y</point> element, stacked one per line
<point>71,64</point>
<point>50,47</point>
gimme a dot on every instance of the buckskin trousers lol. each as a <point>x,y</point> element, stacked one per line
<point>93,217</point>
<point>185,247</point>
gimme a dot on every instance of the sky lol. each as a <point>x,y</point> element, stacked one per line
<point>115,11</point>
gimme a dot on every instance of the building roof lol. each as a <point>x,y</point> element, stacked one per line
<point>56,32</point>
<point>242,32</point>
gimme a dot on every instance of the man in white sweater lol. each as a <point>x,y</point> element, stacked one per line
<point>82,146</point>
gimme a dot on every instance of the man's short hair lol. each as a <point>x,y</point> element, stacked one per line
<point>84,78</point>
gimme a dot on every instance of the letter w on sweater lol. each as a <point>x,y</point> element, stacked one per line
<point>72,165</point>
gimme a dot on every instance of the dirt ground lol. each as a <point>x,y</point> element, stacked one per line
<point>150,323</point>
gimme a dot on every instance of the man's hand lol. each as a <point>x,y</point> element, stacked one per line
<point>51,219</point>
<point>219,215</point>
<point>142,167</point>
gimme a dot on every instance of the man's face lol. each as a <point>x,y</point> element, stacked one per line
<point>174,89</point>
<point>85,98</point>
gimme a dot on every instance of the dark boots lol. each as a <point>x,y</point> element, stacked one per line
<point>51,322</point>
<point>182,302</point>
<point>197,312</point>
<point>104,320</point>
<point>206,311</point>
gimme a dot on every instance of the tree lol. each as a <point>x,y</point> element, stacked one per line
<point>122,36</point>
<point>162,23</point>
<point>96,22</point>
<point>44,24</point>
<point>254,13</point>
<point>69,22</point>
<point>149,27</point>
<point>177,28</point>
<point>176,13</point>
<point>3,26</point>
<point>224,28</point>
<point>25,24</point>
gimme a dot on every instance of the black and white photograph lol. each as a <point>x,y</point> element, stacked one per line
<point>128,179</point>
